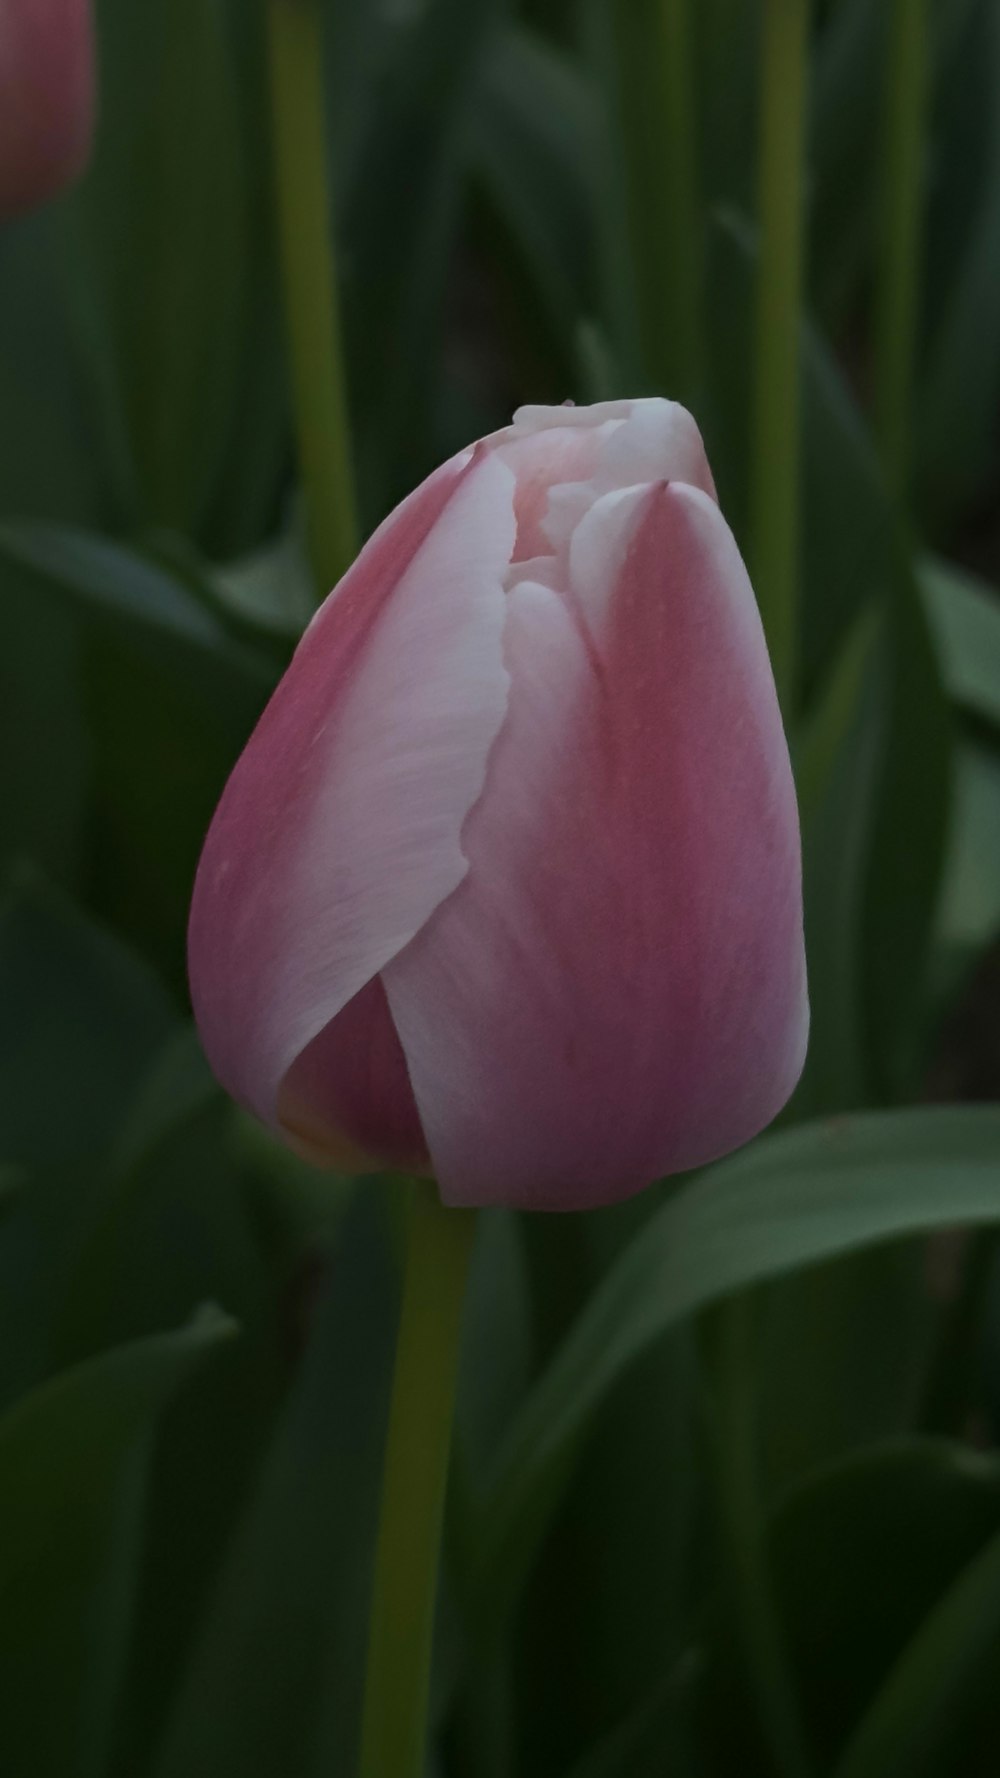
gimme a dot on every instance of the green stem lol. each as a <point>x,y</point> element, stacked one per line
<point>656,107</point>
<point>397,1688</point>
<point>305,216</point>
<point>760,1627</point>
<point>775,455</point>
<point>680,176</point>
<point>896,314</point>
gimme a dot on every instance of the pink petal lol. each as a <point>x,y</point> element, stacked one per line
<point>339,831</point>
<point>541,460</point>
<point>347,1098</point>
<point>617,989</point>
<point>46,98</point>
<point>658,442</point>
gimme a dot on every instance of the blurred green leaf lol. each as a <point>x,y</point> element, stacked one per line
<point>50,460</point>
<point>898,1526</point>
<point>970,903</point>
<point>843,1361</point>
<point>727,41</point>
<point>911,1725</point>
<point>836,764</point>
<point>72,1464</point>
<point>657,1735</point>
<point>960,381</point>
<point>115,583</point>
<point>964,615</point>
<point>399,234</point>
<point>533,143</point>
<point>272,588</point>
<point>847,521</point>
<point>171,697</point>
<point>844,141</point>
<point>43,736</point>
<point>80,1018</point>
<point>180,1221</point>
<point>274,1678</point>
<point>906,850</point>
<point>790,1201</point>
<point>167,209</point>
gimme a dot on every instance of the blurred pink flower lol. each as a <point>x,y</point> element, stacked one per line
<point>506,884</point>
<point>46,98</point>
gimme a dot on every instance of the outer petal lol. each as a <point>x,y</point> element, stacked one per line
<point>46,98</point>
<point>617,989</point>
<point>339,831</point>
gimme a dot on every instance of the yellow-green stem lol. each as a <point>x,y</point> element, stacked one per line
<point>397,1686</point>
<point>305,219</point>
<point>897,307</point>
<point>680,176</point>
<point>651,41</point>
<point>775,450</point>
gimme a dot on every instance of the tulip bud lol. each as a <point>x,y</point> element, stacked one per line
<point>46,98</point>
<point>506,885</point>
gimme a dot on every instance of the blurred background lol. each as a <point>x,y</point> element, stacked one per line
<point>681,1539</point>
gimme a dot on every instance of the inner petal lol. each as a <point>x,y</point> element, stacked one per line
<point>542,461</point>
<point>347,1098</point>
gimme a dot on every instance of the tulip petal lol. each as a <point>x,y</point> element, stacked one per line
<point>46,98</point>
<point>339,831</point>
<point>347,1098</point>
<point>658,442</point>
<point>617,988</point>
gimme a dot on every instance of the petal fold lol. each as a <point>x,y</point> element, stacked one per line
<point>339,831</point>
<point>617,988</point>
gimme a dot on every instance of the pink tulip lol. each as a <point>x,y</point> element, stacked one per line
<point>506,885</point>
<point>46,98</point>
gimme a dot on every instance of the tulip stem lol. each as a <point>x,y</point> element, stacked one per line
<point>902,214</point>
<point>656,94</point>
<point>680,179</point>
<point>397,1688</point>
<point>760,1626</point>
<point>775,456</point>
<point>312,308</point>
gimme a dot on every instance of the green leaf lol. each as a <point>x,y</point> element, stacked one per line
<point>896,1525</point>
<point>836,765</point>
<point>95,1254</point>
<point>398,235</point>
<point>72,1483</point>
<point>172,696</point>
<point>274,1678</point>
<point>911,1725</point>
<point>80,1018</point>
<point>43,738</point>
<point>970,903</point>
<point>113,581</point>
<point>964,614</point>
<point>844,1359</point>
<point>960,381</point>
<point>846,105</point>
<point>49,468</point>
<point>848,524</point>
<point>906,850</point>
<point>790,1201</point>
<point>271,589</point>
<point>166,205</point>
<point>533,142</point>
